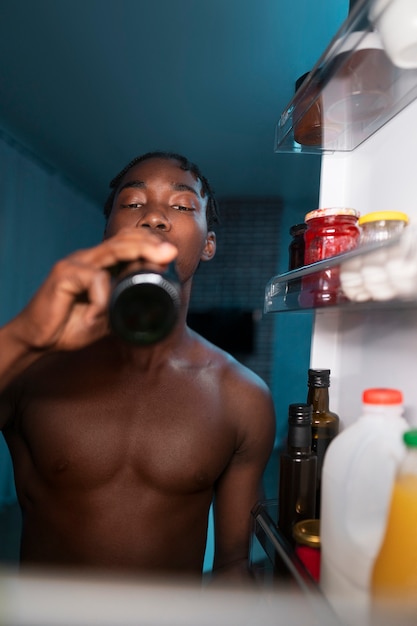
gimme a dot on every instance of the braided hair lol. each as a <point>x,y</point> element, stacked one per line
<point>212,210</point>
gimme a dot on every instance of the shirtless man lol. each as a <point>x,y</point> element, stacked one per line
<point>119,450</point>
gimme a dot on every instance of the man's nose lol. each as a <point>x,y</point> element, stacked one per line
<point>154,217</point>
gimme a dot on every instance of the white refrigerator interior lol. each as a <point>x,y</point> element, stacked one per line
<point>371,348</point>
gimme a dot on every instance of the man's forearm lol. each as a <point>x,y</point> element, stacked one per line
<point>236,572</point>
<point>15,354</point>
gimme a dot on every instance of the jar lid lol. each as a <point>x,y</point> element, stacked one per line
<point>383,216</point>
<point>307,532</point>
<point>382,395</point>
<point>331,212</point>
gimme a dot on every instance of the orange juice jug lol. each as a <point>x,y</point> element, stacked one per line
<point>395,569</point>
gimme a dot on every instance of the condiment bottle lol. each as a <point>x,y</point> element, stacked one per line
<point>307,545</point>
<point>362,74</point>
<point>358,474</point>
<point>384,273</point>
<point>298,472</point>
<point>395,570</point>
<point>325,423</point>
<point>295,260</point>
<point>376,266</point>
<point>381,225</point>
<point>297,246</point>
<point>329,232</point>
<point>307,114</point>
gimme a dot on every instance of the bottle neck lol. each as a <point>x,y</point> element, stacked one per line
<point>363,23</point>
<point>383,410</point>
<point>318,397</point>
<point>299,439</point>
<point>299,452</point>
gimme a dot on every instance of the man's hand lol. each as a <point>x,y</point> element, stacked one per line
<point>69,310</point>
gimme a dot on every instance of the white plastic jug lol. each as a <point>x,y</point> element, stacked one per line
<point>358,474</point>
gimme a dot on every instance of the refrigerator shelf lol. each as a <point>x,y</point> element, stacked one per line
<point>352,91</point>
<point>280,566</point>
<point>382,275</point>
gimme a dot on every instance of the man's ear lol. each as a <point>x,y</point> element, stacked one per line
<point>210,247</point>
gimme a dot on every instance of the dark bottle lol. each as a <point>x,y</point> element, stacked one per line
<point>295,259</point>
<point>325,423</point>
<point>308,113</point>
<point>362,77</point>
<point>144,304</point>
<point>297,246</point>
<point>298,472</point>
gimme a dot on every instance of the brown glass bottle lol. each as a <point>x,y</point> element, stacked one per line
<point>298,472</point>
<point>297,247</point>
<point>325,423</point>
<point>295,260</point>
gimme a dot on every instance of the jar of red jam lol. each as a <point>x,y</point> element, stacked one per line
<point>329,232</point>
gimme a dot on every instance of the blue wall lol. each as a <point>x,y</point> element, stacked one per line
<point>292,333</point>
<point>42,218</point>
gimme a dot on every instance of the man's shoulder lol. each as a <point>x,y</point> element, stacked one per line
<point>237,382</point>
<point>247,406</point>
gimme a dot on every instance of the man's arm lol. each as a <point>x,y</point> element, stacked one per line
<point>69,310</point>
<point>239,488</point>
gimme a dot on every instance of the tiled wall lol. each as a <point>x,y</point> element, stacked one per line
<point>248,243</point>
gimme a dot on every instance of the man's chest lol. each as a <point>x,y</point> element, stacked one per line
<point>171,434</point>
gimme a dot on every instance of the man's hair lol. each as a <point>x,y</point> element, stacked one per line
<point>212,210</point>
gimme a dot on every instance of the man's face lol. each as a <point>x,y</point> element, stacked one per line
<point>158,195</point>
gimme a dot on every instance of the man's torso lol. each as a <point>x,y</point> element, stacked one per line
<point>115,467</point>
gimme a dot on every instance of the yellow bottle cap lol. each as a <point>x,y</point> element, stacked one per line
<point>383,216</point>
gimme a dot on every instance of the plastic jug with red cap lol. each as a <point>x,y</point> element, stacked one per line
<point>358,474</point>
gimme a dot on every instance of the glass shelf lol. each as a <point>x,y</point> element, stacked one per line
<point>284,567</point>
<point>351,92</point>
<point>281,555</point>
<point>381,275</point>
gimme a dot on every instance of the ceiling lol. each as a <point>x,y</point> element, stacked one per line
<point>87,85</point>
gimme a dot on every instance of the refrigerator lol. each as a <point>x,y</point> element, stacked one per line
<point>369,166</point>
<point>367,162</point>
<point>358,109</point>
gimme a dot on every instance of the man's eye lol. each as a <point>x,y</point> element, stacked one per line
<point>134,205</point>
<point>181,207</point>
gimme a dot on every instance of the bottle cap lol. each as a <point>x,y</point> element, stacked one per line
<point>410,438</point>
<point>298,229</point>
<point>299,426</point>
<point>300,414</point>
<point>300,80</point>
<point>318,378</point>
<point>307,532</point>
<point>382,395</point>
<point>332,212</point>
<point>383,216</point>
